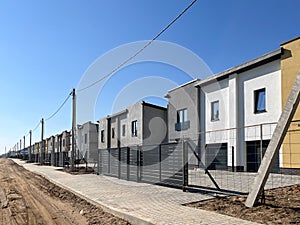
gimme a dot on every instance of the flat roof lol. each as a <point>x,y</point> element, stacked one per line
<point>269,57</point>
<point>185,84</point>
<point>153,106</point>
<point>118,113</point>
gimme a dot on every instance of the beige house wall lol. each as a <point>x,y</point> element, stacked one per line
<point>290,67</point>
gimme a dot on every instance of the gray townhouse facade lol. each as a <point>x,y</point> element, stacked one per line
<point>207,113</point>
<point>139,124</point>
<point>65,147</point>
<point>87,141</point>
<point>36,151</point>
<point>50,149</point>
<point>183,118</point>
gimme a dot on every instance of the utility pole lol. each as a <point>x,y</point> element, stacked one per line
<point>5,152</point>
<point>73,129</point>
<point>24,147</point>
<point>42,150</point>
<point>29,150</point>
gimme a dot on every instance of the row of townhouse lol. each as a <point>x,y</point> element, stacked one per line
<point>57,148</point>
<point>140,124</point>
<point>229,117</point>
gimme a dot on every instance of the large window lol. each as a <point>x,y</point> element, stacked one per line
<point>260,100</point>
<point>134,128</point>
<point>215,111</point>
<point>182,120</point>
<point>102,136</point>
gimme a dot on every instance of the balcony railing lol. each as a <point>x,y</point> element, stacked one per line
<point>182,126</point>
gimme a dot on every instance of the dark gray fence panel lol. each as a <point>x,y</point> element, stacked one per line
<point>114,162</point>
<point>124,163</point>
<point>171,164</point>
<point>133,164</point>
<point>104,161</point>
<point>157,164</point>
<point>150,162</point>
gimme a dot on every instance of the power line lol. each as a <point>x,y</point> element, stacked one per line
<point>59,108</point>
<point>121,65</point>
<point>50,117</point>
<point>139,51</point>
<point>36,127</point>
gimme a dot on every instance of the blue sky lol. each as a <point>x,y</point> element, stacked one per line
<point>46,47</point>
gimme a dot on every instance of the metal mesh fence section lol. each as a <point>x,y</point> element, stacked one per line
<point>225,159</point>
<point>230,158</point>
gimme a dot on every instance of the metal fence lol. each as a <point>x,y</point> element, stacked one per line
<point>218,160</point>
<point>157,164</point>
<point>227,168</point>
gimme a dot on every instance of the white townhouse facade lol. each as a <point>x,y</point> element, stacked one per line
<point>238,108</point>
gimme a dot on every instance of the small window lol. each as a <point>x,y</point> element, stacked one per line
<point>134,128</point>
<point>123,130</point>
<point>215,111</point>
<point>64,143</point>
<point>112,133</point>
<point>102,136</point>
<point>260,100</point>
<point>85,138</point>
<point>182,120</point>
<point>182,116</point>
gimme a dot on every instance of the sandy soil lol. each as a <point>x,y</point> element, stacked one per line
<point>282,206</point>
<point>27,198</point>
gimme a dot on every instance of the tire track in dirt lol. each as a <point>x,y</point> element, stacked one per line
<point>27,198</point>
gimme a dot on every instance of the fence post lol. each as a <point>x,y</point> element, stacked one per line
<point>261,143</point>
<point>128,163</point>
<point>159,159</point>
<point>232,158</point>
<point>119,162</point>
<point>141,163</point>
<point>108,160</point>
<point>98,162</point>
<point>138,171</point>
<point>184,166</point>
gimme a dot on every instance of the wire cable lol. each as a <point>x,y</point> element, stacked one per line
<point>139,51</point>
<point>60,107</point>
<point>36,127</point>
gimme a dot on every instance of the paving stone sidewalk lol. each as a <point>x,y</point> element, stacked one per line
<point>138,203</point>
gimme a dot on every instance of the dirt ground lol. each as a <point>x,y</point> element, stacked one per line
<point>282,206</point>
<point>27,198</point>
<point>78,170</point>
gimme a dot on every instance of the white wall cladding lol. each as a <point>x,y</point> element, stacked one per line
<point>217,91</point>
<point>269,77</point>
<point>236,109</point>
